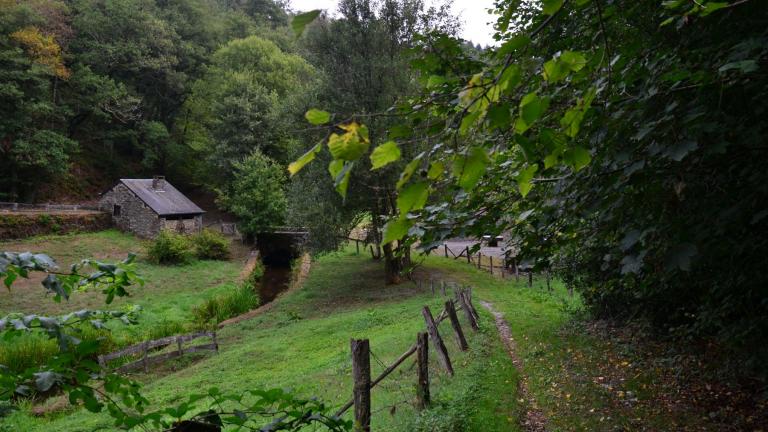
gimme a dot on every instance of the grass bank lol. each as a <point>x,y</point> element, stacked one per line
<point>166,299</point>
<point>302,343</point>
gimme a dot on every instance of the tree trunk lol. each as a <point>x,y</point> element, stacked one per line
<point>393,266</point>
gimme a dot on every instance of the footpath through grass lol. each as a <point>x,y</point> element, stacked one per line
<point>581,380</point>
<point>302,343</point>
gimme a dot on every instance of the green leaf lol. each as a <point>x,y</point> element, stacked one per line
<point>300,21</point>
<point>408,172</point>
<point>470,168</point>
<point>396,229</point>
<point>510,78</point>
<point>436,170</point>
<point>532,107</point>
<point>524,179</point>
<point>555,70</point>
<point>318,117</point>
<point>412,197</point>
<point>574,60</point>
<point>385,154</point>
<point>577,157</point>
<point>499,116</point>
<point>551,6</point>
<point>514,44</point>
<point>468,121</point>
<point>306,158</point>
<point>435,80</point>
<point>712,7</point>
<point>340,172</point>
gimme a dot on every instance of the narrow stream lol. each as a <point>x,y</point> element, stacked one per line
<point>275,280</point>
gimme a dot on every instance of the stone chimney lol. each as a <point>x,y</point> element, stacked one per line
<point>158,183</point>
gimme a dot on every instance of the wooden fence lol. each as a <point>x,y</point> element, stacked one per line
<point>502,266</point>
<point>361,357</point>
<point>14,206</point>
<point>143,350</point>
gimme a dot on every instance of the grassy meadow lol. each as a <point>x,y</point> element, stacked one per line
<point>577,380</point>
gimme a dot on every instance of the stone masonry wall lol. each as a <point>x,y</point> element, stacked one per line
<point>135,216</point>
<point>186,226</point>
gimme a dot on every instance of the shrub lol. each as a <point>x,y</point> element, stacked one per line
<point>222,307</point>
<point>170,248</point>
<point>211,245</point>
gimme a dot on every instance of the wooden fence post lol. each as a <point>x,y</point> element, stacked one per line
<point>145,359</point>
<point>361,373</point>
<point>468,312</point>
<point>469,258</point>
<point>422,358</point>
<point>468,296</point>
<point>437,341</point>
<point>549,287</point>
<point>178,345</point>
<point>479,260</point>
<point>517,272</point>
<point>357,246</point>
<point>445,248</point>
<point>442,287</point>
<point>432,286</point>
<point>460,339</point>
<point>530,278</point>
<point>490,257</point>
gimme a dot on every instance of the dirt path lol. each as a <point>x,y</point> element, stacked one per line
<point>534,420</point>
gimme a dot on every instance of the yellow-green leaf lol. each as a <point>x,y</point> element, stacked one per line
<point>306,158</point>
<point>318,117</point>
<point>385,154</point>
<point>436,170</point>
<point>351,145</point>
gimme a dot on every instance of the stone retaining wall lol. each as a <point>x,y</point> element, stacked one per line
<point>23,225</point>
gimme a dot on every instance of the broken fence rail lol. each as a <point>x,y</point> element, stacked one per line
<point>144,349</point>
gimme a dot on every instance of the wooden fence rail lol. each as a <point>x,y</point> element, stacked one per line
<point>144,349</point>
<point>361,363</point>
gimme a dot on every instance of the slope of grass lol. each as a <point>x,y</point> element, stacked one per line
<point>167,297</point>
<point>166,300</point>
<point>302,343</point>
<point>581,382</point>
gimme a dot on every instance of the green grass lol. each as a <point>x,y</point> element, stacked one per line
<point>302,343</point>
<point>581,382</point>
<point>168,295</point>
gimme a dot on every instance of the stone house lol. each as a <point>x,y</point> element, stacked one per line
<point>146,206</point>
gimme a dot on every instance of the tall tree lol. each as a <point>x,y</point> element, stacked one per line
<point>363,55</point>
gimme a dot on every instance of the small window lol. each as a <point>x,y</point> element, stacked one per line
<point>116,210</point>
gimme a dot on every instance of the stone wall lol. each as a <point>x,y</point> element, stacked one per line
<point>27,224</point>
<point>135,216</point>
<point>189,225</point>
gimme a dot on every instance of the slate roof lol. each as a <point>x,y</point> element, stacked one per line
<point>166,202</point>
